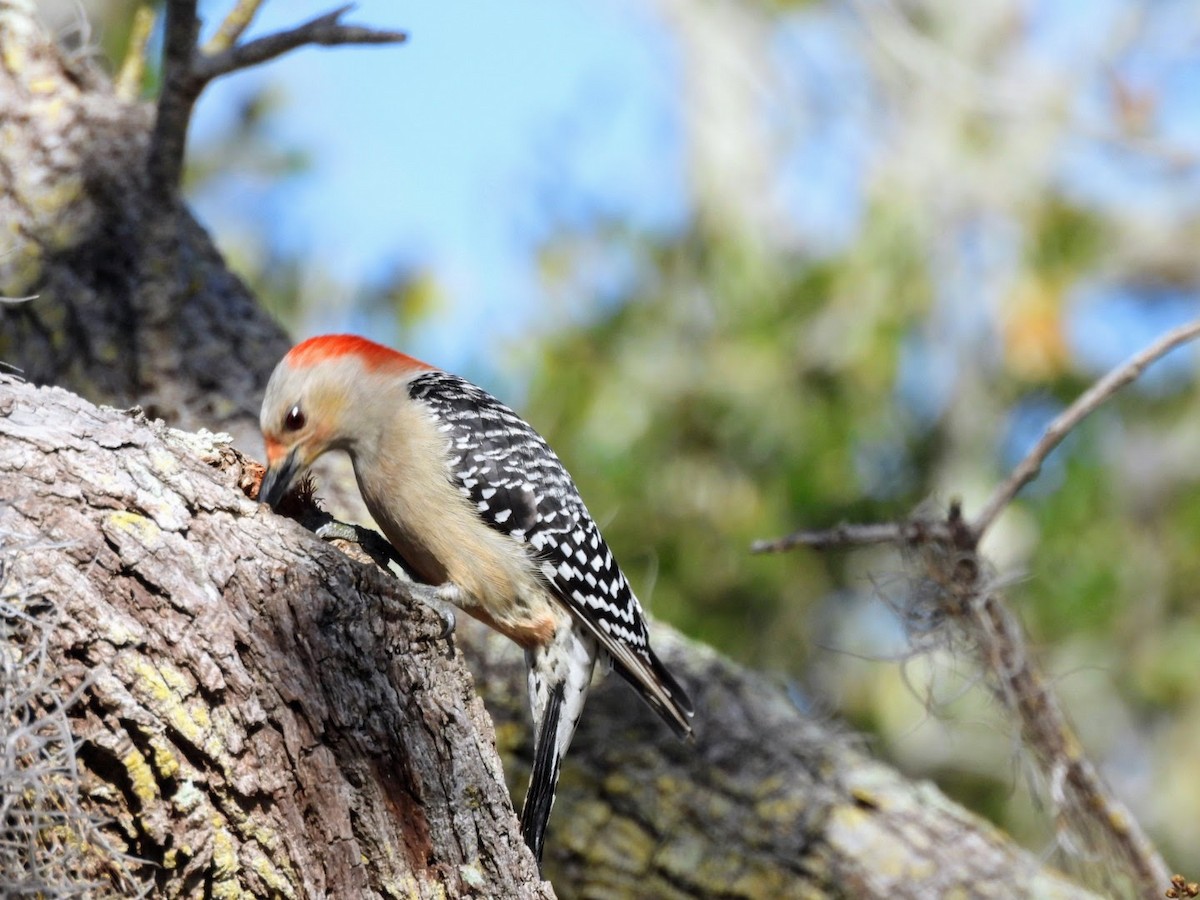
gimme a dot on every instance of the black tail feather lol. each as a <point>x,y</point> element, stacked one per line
<point>681,702</point>
<point>543,780</point>
<point>672,703</point>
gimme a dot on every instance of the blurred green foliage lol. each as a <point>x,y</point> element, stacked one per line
<point>696,418</point>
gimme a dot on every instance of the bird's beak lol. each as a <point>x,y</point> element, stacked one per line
<point>278,479</point>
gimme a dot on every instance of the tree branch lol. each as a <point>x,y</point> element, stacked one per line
<point>233,26</point>
<point>919,531</point>
<point>325,31</point>
<point>128,83</point>
<point>1087,810</point>
<point>1089,815</point>
<point>1085,405</point>
<point>256,713</point>
<point>187,70</point>
<point>168,140</point>
<point>914,531</point>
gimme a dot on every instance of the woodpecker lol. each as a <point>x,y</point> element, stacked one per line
<point>478,505</point>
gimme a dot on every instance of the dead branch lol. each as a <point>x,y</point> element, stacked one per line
<point>1090,820</point>
<point>914,531</point>
<point>1087,403</point>
<point>919,531</point>
<point>187,70</point>
<point>324,31</point>
<point>1089,815</point>
<point>168,139</point>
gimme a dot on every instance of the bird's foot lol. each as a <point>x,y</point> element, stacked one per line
<point>436,598</point>
<point>338,531</point>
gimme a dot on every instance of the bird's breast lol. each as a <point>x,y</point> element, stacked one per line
<point>442,538</point>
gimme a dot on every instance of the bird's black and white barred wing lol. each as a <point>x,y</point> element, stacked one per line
<point>520,487</point>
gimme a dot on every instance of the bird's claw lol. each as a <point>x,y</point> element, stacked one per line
<point>437,599</point>
<point>338,531</point>
<point>431,598</point>
<point>449,622</point>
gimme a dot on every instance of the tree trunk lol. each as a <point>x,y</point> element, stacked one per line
<point>134,303</point>
<point>256,712</point>
<point>262,715</point>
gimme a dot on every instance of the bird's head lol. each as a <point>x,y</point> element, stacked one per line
<point>318,399</point>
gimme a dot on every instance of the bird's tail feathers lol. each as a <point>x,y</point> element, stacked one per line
<point>543,779</point>
<point>664,694</point>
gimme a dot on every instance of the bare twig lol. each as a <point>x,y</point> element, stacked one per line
<point>128,85</point>
<point>919,531</point>
<point>233,27</point>
<point>915,531</point>
<point>186,71</point>
<point>1093,818</point>
<point>326,31</point>
<point>1088,402</point>
<point>1086,806</point>
<point>1092,813</point>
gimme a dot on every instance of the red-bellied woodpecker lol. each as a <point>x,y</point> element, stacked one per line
<point>475,502</point>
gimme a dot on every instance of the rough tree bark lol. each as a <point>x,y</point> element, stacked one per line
<point>263,713</point>
<point>264,716</point>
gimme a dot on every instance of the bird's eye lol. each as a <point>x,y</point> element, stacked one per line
<point>295,419</point>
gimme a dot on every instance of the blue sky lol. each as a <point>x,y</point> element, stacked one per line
<point>459,151</point>
<point>440,151</point>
